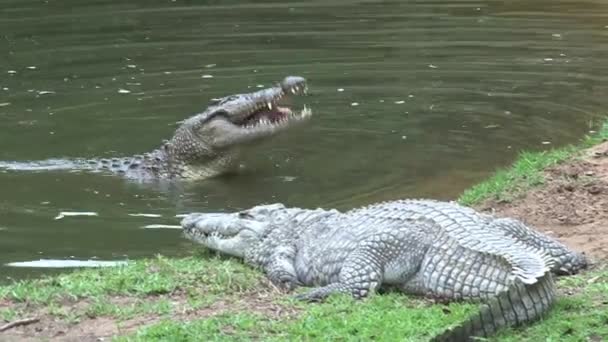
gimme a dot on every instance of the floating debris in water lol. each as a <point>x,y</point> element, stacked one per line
<point>32,67</point>
<point>4,104</point>
<point>207,76</point>
<point>161,226</point>
<point>399,102</point>
<point>548,59</point>
<point>12,72</point>
<point>492,126</point>
<point>288,178</point>
<point>58,263</point>
<point>2,228</point>
<point>340,90</point>
<point>145,215</point>
<point>45,92</point>
<point>75,213</point>
<point>546,142</point>
<point>210,65</point>
<point>432,66</point>
<point>131,66</point>
<point>123,91</point>
<point>354,104</point>
<point>259,86</point>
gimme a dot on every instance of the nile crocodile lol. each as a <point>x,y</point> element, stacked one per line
<point>205,144</point>
<point>423,247</point>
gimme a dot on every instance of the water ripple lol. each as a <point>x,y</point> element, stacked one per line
<point>446,92</point>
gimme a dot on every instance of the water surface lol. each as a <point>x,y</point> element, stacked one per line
<point>411,99</point>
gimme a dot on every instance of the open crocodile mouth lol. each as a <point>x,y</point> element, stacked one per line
<point>278,110</point>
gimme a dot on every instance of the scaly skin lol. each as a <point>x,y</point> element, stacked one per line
<point>422,247</point>
<point>204,145</point>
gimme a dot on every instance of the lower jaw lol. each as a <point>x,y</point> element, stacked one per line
<point>274,115</point>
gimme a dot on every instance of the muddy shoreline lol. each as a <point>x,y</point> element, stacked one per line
<point>571,205</point>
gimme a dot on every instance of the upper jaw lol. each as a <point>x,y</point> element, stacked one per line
<point>201,226</point>
<point>265,107</point>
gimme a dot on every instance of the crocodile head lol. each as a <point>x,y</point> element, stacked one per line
<point>234,233</point>
<point>205,141</point>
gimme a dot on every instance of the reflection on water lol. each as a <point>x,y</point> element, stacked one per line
<point>411,99</point>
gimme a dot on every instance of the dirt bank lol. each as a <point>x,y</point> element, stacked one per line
<point>572,204</point>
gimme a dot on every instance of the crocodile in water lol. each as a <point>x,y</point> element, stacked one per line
<point>205,144</point>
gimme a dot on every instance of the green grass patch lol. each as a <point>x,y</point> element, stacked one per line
<point>526,172</point>
<point>391,317</point>
<point>581,316</point>
<point>160,287</point>
<point>150,288</point>
<point>142,278</point>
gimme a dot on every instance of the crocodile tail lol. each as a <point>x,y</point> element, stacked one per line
<point>45,165</point>
<point>520,304</point>
<point>114,164</point>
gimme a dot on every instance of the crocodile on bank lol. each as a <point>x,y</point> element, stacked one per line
<point>424,247</point>
<point>205,144</point>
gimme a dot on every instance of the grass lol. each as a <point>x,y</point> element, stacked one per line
<point>205,297</point>
<point>159,287</point>
<point>526,172</point>
<point>179,297</point>
<point>393,317</point>
<point>389,317</point>
<point>138,279</point>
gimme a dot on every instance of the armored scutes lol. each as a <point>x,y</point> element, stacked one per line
<point>423,247</point>
<point>205,144</point>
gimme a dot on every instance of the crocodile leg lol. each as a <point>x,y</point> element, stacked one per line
<point>388,256</point>
<point>281,271</point>
<point>358,277</point>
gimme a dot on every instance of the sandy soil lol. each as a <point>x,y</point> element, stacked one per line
<point>572,205</point>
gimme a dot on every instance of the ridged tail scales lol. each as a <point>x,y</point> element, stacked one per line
<point>117,165</point>
<point>529,293</point>
<point>520,304</point>
<point>525,294</point>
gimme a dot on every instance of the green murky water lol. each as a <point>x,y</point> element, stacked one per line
<point>411,99</point>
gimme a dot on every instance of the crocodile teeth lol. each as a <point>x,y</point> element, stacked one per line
<point>269,104</point>
<point>306,112</point>
<point>293,90</point>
